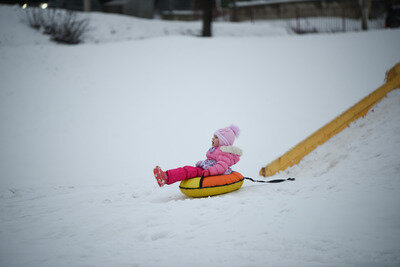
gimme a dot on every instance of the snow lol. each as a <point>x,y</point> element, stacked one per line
<point>83,126</point>
<point>112,28</point>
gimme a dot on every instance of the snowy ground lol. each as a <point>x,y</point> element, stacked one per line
<point>83,126</point>
<point>106,28</point>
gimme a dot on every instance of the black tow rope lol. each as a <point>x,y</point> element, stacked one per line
<point>270,181</point>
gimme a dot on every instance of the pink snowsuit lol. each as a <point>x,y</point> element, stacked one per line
<point>221,157</point>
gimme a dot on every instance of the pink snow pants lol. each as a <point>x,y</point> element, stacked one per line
<point>187,172</point>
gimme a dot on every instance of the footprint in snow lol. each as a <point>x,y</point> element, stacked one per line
<point>159,235</point>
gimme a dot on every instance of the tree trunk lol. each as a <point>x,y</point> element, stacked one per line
<point>234,12</point>
<point>207,17</point>
<point>364,15</point>
<point>86,5</point>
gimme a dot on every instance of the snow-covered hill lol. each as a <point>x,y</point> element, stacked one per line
<point>341,210</point>
<point>83,126</point>
<point>106,28</point>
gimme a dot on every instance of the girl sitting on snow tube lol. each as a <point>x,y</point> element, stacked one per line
<point>220,157</point>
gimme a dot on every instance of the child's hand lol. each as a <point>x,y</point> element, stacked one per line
<point>206,173</point>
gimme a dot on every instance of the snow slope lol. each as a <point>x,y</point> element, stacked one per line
<point>339,212</point>
<point>83,126</point>
<point>116,28</point>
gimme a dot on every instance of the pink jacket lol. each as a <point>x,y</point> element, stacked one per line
<point>225,156</point>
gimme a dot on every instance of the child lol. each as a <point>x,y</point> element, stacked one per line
<point>220,157</point>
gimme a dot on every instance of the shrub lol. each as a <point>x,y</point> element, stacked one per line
<point>63,26</point>
<point>35,17</point>
<point>69,29</point>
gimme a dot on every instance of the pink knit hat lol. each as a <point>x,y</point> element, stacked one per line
<point>227,135</point>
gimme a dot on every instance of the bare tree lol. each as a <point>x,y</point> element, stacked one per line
<point>234,11</point>
<point>364,14</point>
<point>207,6</point>
<point>86,5</point>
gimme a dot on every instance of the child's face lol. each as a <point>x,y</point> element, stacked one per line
<point>215,141</point>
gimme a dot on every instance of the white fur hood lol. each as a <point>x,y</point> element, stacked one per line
<point>231,149</point>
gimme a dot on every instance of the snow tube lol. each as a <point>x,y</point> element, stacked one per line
<point>211,185</point>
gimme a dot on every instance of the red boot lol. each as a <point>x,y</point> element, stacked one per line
<point>161,176</point>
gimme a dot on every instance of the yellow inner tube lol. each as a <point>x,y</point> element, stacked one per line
<point>212,185</point>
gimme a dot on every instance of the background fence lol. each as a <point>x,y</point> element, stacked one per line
<point>339,19</point>
<point>299,16</point>
<point>314,15</point>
